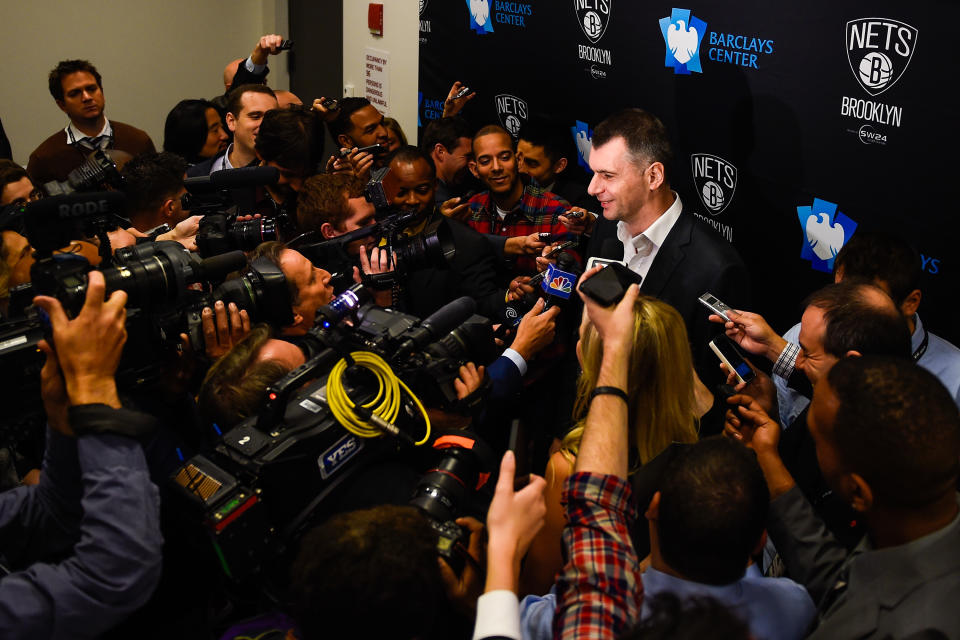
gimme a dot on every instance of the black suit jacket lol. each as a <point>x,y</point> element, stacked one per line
<point>693,260</point>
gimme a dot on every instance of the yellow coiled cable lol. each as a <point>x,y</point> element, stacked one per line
<point>385,405</point>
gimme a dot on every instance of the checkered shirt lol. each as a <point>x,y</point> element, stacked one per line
<point>599,590</point>
<point>537,211</point>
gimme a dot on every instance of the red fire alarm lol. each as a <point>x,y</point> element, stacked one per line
<point>375,18</point>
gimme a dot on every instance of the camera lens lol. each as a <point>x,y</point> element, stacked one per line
<point>247,235</point>
<point>443,491</point>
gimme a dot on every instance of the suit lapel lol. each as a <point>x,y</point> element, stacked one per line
<point>669,257</point>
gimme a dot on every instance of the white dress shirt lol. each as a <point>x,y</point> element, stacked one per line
<point>640,250</point>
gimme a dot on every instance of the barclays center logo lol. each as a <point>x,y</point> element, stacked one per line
<point>879,50</point>
<point>825,231</point>
<point>683,33</point>
<point>583,139</point>
<point>512,111</point>
<point>715,180</point>
<point>480,20</point>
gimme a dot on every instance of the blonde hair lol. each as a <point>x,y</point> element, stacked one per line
<point>661,408</point>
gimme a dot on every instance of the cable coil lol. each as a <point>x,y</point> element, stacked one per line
<point>385,405</point>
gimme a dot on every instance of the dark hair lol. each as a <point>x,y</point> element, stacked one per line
<point>445,131</point>
<point>233,388</point>
<point>411,154</point>
<point>877,256</point>
<point>645,136</point>
<point>151,178</point>
<point>65,68</point>
<point>898,427</point>
<point>554,139</point>
<point>271,251</point>
<point>691,618</point>
<point>713,505</point>
<point>291,138</point>
<point>234,99</point>
<point>368,574</point>
<point>342,123</point>
<point>492,129</point>
<point>855,323</point>
<point>185,131</point>
<point>10,171</point>
<point>323,198</point>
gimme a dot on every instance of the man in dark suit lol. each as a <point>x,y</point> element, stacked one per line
<point>643,225</point>
<point>887,437</point>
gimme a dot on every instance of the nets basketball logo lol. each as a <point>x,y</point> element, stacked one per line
<point>593,17</point>
<point>423,5</point>
<point>879,51</point>
<point>512,111</point>
<point>715,180</point>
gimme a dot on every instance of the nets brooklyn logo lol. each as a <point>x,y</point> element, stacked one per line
<point>715,180</point>
<point>879,51</point>
<point>593,16</point>
<point>512,111</point>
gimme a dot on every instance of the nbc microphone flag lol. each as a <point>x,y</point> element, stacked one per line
<point>558,283</point>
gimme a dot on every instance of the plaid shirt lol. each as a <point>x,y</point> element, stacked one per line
<point>537,211</point>
<point>599,590</point>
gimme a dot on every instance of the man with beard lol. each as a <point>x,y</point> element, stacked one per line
<point>448,143</point>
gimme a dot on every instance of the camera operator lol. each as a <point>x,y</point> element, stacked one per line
<point>471,270</point>
<point>114,525</point>
<point>309,286</point>
<point>153,185</point>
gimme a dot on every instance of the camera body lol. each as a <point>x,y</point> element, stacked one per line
<point>274,475</point>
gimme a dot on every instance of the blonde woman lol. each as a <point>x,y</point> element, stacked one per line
<point>663,408</point>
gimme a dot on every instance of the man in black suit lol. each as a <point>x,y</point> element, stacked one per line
<point>643,225</point>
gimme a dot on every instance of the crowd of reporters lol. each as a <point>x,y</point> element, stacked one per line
<point>168,315</point>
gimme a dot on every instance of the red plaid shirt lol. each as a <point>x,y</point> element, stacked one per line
<point>599,591</point>
<point>538,211</point>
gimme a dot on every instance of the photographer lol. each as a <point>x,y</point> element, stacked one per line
<point>114,525</point>
<point>471,270</point>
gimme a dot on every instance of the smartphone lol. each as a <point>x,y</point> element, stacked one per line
<point>713,303</point>
<point>560,247</point>
<point>729,354</point>
<point>464,91</point>
<point>331,104</point>
<point>609,285</point>
<point>375,149</point>
<point>595,260</point>
<point>519,443</point>
<point>285,45</point>
<point>574,214</point>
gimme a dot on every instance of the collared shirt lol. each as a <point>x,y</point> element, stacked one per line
<point>774,608</point>
<point>640,250</point>
<point>537,211</point>
<point>941,358</point>
<point>222,162</point>
<point>600,588</point>
<point>103,139</point>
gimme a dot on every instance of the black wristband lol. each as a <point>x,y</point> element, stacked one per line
<point>613,391</point>
<point>86,419</point>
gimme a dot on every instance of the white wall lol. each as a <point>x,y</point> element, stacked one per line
<point>151,54</point>
<point>401,28</point>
